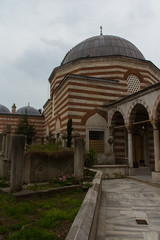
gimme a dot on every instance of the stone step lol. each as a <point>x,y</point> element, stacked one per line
<point>139,171</point>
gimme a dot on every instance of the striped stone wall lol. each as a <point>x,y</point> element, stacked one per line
<point>87,85</point>
<point>13,120</point>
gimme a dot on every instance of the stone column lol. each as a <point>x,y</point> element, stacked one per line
<point>110,140</point>
<point>110,152</point>
<point>17,162</point>
<point>79,158</point>
<point>130,147</point>
<point>156,147</point>
<point>156,174</point>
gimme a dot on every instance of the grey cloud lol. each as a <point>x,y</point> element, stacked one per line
<point>38,63</point>
<point>60,44</point>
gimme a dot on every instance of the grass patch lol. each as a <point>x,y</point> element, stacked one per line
<point>56,147</point>
<point>33,234</point>
<point>63,180</point>
<point>49,218</point>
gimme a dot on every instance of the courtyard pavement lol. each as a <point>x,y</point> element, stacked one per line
<point>123,203</point>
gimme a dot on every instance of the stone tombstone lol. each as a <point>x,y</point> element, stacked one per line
<point>79,158</point>
<point>8,144</point>
<point>8,128</point>
<point>7,155</point>
<point>17,162</point>
<point>1,141</point>
<point>5,150</point>
<point>2,154</point>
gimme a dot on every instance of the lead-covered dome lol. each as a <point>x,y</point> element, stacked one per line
<point>28,110</point>
<point>4,109</point>
<point>103,45</point>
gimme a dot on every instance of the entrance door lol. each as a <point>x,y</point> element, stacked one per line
<point>137,148</point>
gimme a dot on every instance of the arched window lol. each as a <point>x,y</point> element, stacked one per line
<point>96,127</point>
<point>133,84</point>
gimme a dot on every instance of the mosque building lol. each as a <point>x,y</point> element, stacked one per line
<point>89,86</point>
<point>112,94</point>
<point>9,120</point>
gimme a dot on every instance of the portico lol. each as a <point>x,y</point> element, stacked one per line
<point>135,122</point>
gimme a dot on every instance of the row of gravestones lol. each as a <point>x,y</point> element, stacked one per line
<point>12,159</point>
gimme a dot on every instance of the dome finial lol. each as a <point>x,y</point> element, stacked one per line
<point>101,30</point>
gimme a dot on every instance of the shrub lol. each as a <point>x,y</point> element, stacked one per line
<point>64,180</point>
<point>90,158</point>
<point>69,132</point>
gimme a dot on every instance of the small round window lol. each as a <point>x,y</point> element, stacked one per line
<point>133,83</point>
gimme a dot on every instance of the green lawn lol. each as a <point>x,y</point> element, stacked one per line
<point>48,219</point>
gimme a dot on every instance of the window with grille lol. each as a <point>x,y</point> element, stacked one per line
<point>96,141</point>
<point>133,83</point>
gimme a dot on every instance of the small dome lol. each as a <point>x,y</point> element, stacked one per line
<point>28,110</point>
<point>4,109</point>
<point>103,45</point>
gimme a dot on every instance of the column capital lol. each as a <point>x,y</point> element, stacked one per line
<point>154,123</point>
<point>129,128</point>
<point>111,130</point>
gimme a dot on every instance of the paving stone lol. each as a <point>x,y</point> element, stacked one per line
<point>124,201</point>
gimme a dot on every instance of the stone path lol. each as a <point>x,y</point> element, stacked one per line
<point>123,202</point>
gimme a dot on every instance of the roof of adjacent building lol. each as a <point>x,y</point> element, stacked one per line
<point>103,45</point>
<point>4,109</point>
<point>28,110</point>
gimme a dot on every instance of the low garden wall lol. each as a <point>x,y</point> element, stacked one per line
<point>113,171</point>
<point>85,224</point>
<point>43,166</point>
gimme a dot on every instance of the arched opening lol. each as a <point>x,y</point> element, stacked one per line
<point>119,138</point>
<point>157,114</point>
<point>96,127</point>
<point>142,137</point>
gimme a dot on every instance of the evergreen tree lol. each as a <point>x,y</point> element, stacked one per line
<point>69,132</point>
<point>26,128</point>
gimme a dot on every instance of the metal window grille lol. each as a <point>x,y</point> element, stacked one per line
<point>96,141</point>
<point>133,83</point>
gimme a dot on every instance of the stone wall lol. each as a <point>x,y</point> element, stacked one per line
<point>113,171</point>
<point>41,166</point>
<point>12,120</point>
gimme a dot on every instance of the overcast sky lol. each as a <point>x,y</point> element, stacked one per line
<point>35,35</point>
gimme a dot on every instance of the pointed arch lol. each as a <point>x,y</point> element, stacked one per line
<point>117,110</point>
<point>91,113</point>
<point>136,102</point>
<point>155,107</point>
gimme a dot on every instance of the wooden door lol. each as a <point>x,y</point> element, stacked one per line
<point>137,148</point>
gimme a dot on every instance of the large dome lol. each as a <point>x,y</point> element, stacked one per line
<point>28,110</point>
<point>4,109</point>
<point>103,45</point>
